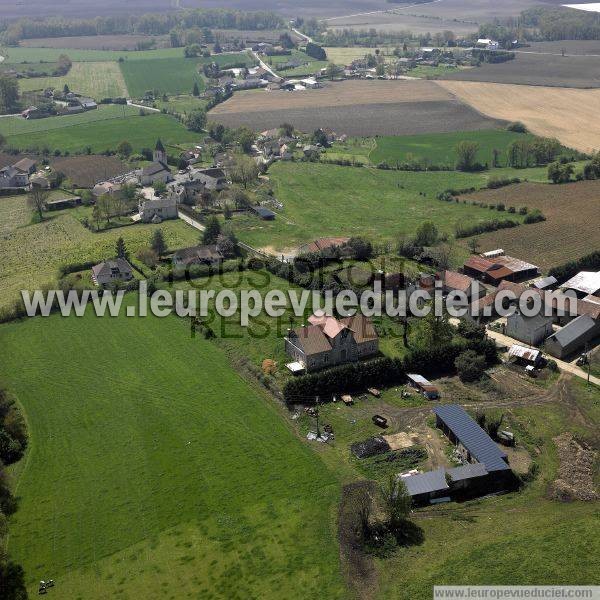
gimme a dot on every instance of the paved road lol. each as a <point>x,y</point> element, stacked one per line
<point>197,225</point>
<point>302,35</point>
<point>562,365</point>
<point>264,65</point>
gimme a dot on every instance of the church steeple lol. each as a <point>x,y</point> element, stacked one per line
<point>160,154</point>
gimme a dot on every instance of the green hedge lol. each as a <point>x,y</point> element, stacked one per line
<point>345,378</point>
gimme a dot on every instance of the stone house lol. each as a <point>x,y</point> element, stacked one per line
<point>327,341</point>
<point>529,330</point>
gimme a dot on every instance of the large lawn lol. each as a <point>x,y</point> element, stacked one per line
<point>153,466</point>
<point>17,125</point>
<point>31,254</point>
<point>328,200</point>
<point>172,75</point>
<point>140,132</point>
<point>440,148</point>
<point>96,79</point>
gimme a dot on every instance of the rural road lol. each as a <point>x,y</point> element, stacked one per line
<point>302,35</point>
<point>377,12</point>
<point>562,365</point>
<point>130,103</point>
<point>264,65</point>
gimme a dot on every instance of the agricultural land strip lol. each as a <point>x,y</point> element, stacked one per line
<point>567,114</point>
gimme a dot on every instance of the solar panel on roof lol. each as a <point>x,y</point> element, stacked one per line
<point>479,444</point>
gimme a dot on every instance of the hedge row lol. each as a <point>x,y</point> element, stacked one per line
<point>467,231</point>
<point>589,262</point>
<point>345,378</point>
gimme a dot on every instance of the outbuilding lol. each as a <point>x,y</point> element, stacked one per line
<point>572,337</point>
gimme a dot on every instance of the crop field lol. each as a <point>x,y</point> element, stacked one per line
<point>530,68</point>
<point>344,56</point>
<point>85,171</point>
<point>546,111</point>
<point>98,136</point>
<point>117,42</point>
<point>165,75</point>
<point>165,498</point>
<point>355,108</point>
<point>171,75</point>
<point>440,149</point>
<point>96,79</point>
<point>328,200</point>
<point>570,229</point>
<point>30,255</point>
<point>21,54</point>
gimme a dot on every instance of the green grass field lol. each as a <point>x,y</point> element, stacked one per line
<point>308,69</point>
<point>96,79</point>
<point>440,148</point>
<point>328,200</point>
<point>172,75</point>
<point>141,132</point>
<point>153,466</point>
<point>18,125</point>
<point>31,254</point>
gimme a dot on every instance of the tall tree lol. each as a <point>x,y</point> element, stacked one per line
<point>466,155</point>
<point>244,170</point>
<point>9,94</point>
<point>121,249</point>
<point>211,233</point>
<point>36,200</point>
<point>196,89</point>
<point>157,243</point>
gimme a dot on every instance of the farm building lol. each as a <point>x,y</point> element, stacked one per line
<point>426,487</point>
<point>523,355</point>
<point>106,187</point>
<point>584,283</point>
<point>458,282</point>
<point>197,255</point>
<point>327,341</point>
<point>153,173</point>
<point>572,337</point>
<point>545,283</point>
<point>495,267</point>
<point>472,442</point>
<point>264,213</point>
<point>423,385</point>
<point>11,178</point>
<point>214,179</point>
<point>109,271</point>
<point>529,330</point>
<point>60,203</point>
<point>25,165</point>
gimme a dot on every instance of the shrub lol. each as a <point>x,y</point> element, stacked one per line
<point>470,366</point>
<point>534,217</point>
<point>463,231</point>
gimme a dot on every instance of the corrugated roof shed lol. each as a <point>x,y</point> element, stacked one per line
<point>587,282</point>
<point>467,471</point>
<point>544,282</point>
<point>518,351</point>
<point>425,483</point>
<point>574,330</point>
<point>479,444</point>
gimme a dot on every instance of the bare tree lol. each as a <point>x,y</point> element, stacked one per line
<point>36,200</point>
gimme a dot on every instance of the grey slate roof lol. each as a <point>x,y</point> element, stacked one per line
<point>573,330</point>
<point>467,471</point>
<point>425,483</point>
<point>479,444</point>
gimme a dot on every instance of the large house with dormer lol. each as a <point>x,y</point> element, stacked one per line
<point>327,341</point>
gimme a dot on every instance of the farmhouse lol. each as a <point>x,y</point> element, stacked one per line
<point>327,341</point>
<point>106,187</point>
<point>187,185</point>
<point>214,179</point>
<point>25,165</point>
<point>157,209</point>
<point>530,330</point>
<point>109,271</point>
<point>197,255</point>
<point>11,178</point>
<point>572,337</point>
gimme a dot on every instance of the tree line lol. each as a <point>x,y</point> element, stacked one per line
<point>149,24</point>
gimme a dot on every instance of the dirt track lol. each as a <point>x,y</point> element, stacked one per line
<point>567,114</point>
